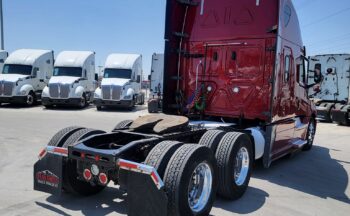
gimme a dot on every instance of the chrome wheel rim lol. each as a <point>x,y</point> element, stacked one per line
<point>311,132</point>
<point>82,102</point>
<point>30,99</point>
<point>200,187</point>
<point>241,167</point>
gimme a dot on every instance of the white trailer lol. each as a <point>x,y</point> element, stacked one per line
<point>73,81</point>
<point>331,94</point>
<point>156,77</point>
<point>121,83</point>
<point>24,75</point>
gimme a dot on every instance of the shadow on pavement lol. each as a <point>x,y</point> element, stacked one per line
<point>313,172</point>
<point>68,108</point>
<point>123,110</point>
<point>251,201</point>
<point>111,200</point>
<point>17,106</point>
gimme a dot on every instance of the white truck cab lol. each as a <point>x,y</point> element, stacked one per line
<point>329,76</point>
<point>73,81</point>
<point>156,89</point>
<point>121,83</point>
<point>24,75</point>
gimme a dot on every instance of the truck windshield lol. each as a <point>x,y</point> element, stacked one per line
<point>17,69</point>
<point>117,73</point>
<point>68,71</point>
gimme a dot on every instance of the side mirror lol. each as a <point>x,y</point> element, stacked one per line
<point>138,79</point>
<point>149,77</point>
<point>96,77</point>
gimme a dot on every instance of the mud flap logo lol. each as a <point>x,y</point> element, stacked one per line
<point>47,178</point>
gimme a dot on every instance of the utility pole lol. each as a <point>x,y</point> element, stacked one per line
<point>2,27</point>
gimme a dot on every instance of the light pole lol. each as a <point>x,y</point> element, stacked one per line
<point>2,27</point>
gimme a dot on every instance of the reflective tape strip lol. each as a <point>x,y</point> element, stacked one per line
<point>57,151</point>
<point>142,168</point>
<point>42,153</point>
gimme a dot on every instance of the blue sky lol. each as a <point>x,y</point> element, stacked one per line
<point>103,26</point>
<point>137,26</point>
<point>325,25</point>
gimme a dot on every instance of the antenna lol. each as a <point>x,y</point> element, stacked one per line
<point>1,27</point>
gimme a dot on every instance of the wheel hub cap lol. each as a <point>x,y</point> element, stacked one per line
<point>200,187</point>
<point>242,166</point>
<point>311,132</point>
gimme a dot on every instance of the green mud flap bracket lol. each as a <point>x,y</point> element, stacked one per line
<point>48,170</point>
<point>146,195</point>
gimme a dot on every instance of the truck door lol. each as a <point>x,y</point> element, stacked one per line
<point>285,104</point>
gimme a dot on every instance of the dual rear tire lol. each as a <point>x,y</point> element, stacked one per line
<point>189,174</point>
<point>193,174</point>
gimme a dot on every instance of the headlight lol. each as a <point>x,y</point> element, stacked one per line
<point>96,95</point>
<point>128,97</point>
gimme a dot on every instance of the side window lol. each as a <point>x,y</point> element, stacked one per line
<point>287,63</point>
<point>287,14</point>
<point>301,76</point>
<point>35,72</point>
<point>317,71</point>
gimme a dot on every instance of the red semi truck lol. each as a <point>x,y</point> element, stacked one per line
<point>234,92</point>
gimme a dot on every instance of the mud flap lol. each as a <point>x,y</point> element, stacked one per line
<point>48,174</point>
<point>270,139</point>
<point>146,195</point>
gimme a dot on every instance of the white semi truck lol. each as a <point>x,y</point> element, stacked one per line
<point>121,83</point>
<point>156,89</point>
<point>331,94</point>
<point>73,82</point>
<point>25,74</point>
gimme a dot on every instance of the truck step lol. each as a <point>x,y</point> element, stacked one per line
<point>180,34</point>
<point>188,2</point>
<point>175,78</point>
<point>298,143</point>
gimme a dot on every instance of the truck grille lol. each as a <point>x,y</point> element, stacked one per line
<point>111,92</point>
<point>54,90</point>
<point>64,91</point>
<point>106,92</point>
<point>59,90</point>
<point>6,88</point>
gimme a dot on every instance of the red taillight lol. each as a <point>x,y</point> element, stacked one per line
<point>82,155</point>
<point>87,175</point>
<point>103,178</point>
<point>97,158</point>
